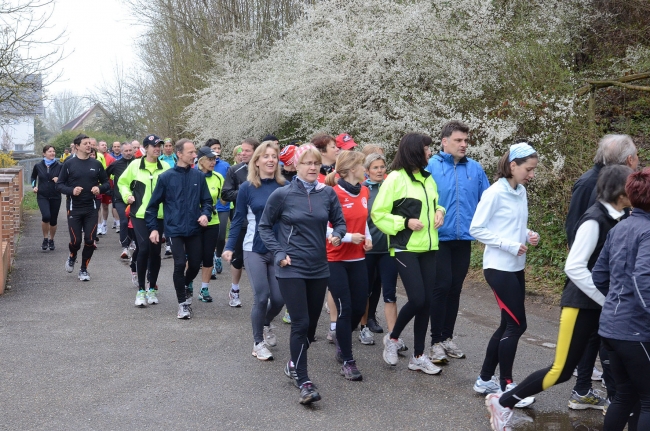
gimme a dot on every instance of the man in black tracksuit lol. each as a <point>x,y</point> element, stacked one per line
<point>116,169</point>
<point>187,205</point>
<point>235,176</point>
<point>82,178</point>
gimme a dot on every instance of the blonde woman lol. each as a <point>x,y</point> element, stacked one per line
<point>348,281</point>
<point>264,178</point>
<point>300,213</point>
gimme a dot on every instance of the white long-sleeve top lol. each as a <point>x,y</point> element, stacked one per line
<point>500,223</point>
<point>583,247</point>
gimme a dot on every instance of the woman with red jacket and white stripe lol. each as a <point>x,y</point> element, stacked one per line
<point>348,282</point>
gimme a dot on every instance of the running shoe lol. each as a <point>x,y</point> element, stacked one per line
<point>69,264</point>
<point>592,400</point>
<point>125,253</point>
<point>83,275</point>
<point>286,318</point>
<point>423,364</point>
<point>490,387</point>
<point>596,374</point>
<point>366,337</point>
<point>184,311</point>
<point>134,279</point>
<point>189,293</point>
<point>204,295</point>
<point>401,346</point>
<point>499,416</point>
<point>45,244</point>
<point>217,264</point>
<point>140,298</point>
<point>452,349</point>
<point>437,354</point>
<point>269,336</point>
<point>168,251</point>
<point>152,296</point>
<point>331,336</point>
<point>50,243</point>
<point>308,393</point>
<point>213,274</point>
<point>290,371</point>
<point>350,371</point>
<point>522,404</point>
<point>390,351</point>
<point>261,352</point>
<point>374,326</point>
<point>233,299</point>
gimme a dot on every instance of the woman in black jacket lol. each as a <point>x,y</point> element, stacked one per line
<point>44,177</point>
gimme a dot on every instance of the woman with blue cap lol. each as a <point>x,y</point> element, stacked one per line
<point>500,222</point>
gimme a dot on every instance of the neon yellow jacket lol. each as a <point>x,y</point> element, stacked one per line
<point>402,196</point>
<point>140,182</point>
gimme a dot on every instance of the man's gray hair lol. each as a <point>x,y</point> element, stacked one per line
<point>616,149</point>
<point>180,143</point>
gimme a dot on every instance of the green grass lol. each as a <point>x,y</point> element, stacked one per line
<point>29,201</point>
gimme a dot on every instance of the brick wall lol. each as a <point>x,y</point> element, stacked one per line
<point>11,211</point>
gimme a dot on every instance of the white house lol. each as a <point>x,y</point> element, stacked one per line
<point>18,110</point>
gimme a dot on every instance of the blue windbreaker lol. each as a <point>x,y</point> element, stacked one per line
<point>460,187</point>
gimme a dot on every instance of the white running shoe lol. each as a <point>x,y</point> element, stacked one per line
<point>83,275</point>
<point>269,336</point>
<point>261,352</point>
<point>184,311</point>
<point>125,253</point>
<point>596,374</point>
<point>499,416</point>
<point>452,349</point>
<point>523,403</point>
<point>423,364</point>
<point>490,387</point>
<point>233,299</point>
<point>366,337</point>
<point>69,264</point>
<point>437,354</point>
<point>152,297</point>
<point>390,351</point>
<point>140,298</point>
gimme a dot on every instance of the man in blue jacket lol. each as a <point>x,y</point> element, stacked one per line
<point>187,206</point>
<point>461,181</point>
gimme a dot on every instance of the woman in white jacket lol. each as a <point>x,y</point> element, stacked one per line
<point>500,222</point>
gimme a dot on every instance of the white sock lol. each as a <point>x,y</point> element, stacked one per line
<point>235,287</point>
<point>332,326</point>
<point>204,285</point>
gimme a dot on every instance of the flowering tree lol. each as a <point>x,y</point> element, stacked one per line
<point>378,69</point>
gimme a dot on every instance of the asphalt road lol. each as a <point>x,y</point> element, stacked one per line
<point>81,356</point>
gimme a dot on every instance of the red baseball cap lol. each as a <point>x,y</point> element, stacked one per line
<point>286,155</point>
<point>345,142</point>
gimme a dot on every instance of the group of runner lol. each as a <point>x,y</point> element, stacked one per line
<point>323,218</point>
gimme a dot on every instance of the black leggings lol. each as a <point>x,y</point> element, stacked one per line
<point>223,228</point>
<point>120,207</point>
<point>418,272</point>
<point>576,327</point>
<point>49,209</point>
<point>348,284</point>
<point>382,274</point>
<point>148,252</point>
<point>304,301</point>
<point>209,237</point>
<point>84,219</point>
<point>452,264</point>
<point>630,366</point>
<point>185,250</point>
<point>510,290</point>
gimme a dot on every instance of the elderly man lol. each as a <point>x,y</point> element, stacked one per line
<point>612,150</point>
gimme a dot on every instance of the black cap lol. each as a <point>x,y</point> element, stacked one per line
<point>152,140</point>
<point>269,138</point>
<point>207,152</point>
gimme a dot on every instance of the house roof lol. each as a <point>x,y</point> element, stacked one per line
<point>22,96</point>
<point>77,122</point>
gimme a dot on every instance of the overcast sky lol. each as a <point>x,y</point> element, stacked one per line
<point>100,35</point>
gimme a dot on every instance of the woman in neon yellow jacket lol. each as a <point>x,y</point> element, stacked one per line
<point>406,209</point>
